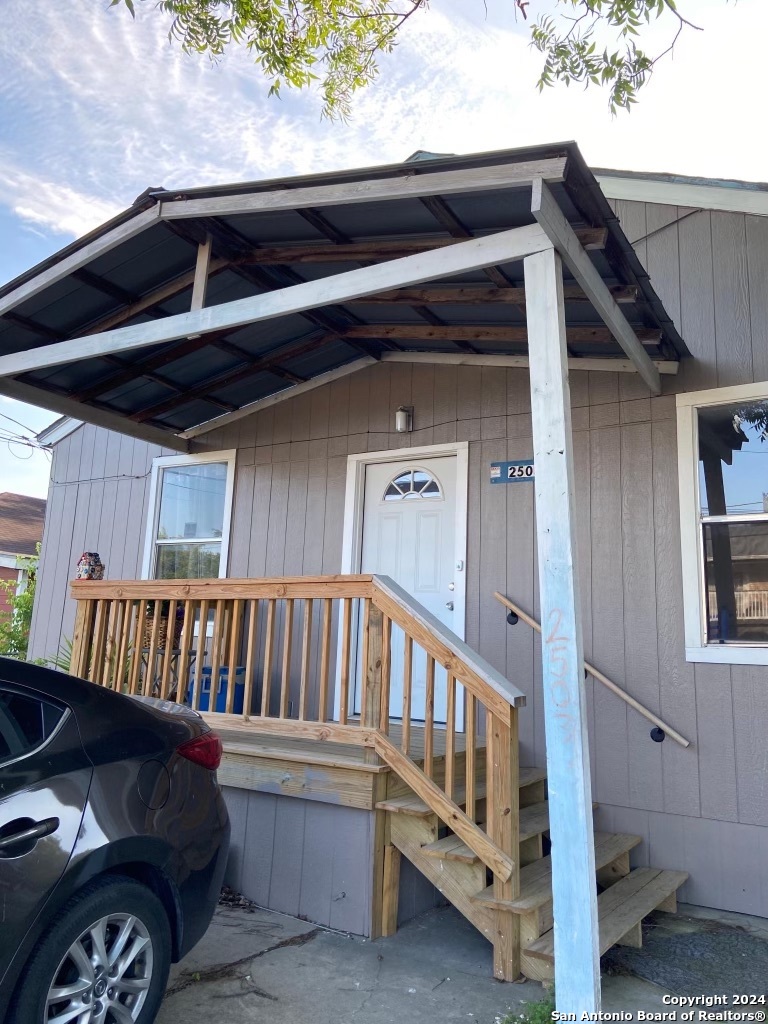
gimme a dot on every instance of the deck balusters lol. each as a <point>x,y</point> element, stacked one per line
<point>386,673</point>
<point>285,681</point>
<point>346,656</point>
<point>429,718</point>
<point>269,657</point>
<point>236,620</point>
<point>325,660</point>
<point>471,756</point>
<point>450,735</point>
<point>202,636</point>
<point>185,644</point>
<point>306,663</point>
<point>138,646</point>
<point>407,689</point>
<point>125,653</point>
<point>251,653</point>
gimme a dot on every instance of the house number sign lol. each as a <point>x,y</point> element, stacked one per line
<point>518,472</point>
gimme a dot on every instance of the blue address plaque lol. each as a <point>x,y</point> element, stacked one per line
<point>519,472</point>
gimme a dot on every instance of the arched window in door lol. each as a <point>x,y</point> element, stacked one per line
<point>412,483</point>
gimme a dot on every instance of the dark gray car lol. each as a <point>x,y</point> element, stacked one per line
<point>113,842</point>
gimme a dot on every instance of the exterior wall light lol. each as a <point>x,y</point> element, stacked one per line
<point>404,419</point>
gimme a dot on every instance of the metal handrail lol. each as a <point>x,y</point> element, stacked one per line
<point>598,675</point>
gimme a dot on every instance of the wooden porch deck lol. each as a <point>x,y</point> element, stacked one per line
<point>315,769</point>
<point>452,799</point>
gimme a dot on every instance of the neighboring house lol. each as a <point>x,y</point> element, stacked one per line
<point>21,529</point>
<point>366,421</point>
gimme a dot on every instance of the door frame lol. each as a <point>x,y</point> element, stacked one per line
<point>354,503</point>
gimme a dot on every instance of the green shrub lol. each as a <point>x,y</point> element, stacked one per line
<point>15,623</point>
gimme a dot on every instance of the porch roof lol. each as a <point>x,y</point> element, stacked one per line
<point>140,267</point>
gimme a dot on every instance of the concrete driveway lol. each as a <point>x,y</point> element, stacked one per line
<point>258,966</point>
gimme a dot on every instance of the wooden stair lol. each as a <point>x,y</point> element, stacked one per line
<point>534,821</point>
<point>536,878</point>
<point>621,909</point>
<point>460,875</point>
<point>411,804</point>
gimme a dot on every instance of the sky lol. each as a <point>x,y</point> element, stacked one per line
<point>96,107</point>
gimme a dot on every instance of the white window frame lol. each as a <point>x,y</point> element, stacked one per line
<point>696,647</point>
<point>165,461</point>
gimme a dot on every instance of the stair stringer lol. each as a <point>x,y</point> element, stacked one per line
<point>457,881</point>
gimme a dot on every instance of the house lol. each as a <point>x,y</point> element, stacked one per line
<point>21,529</point>
<point>308,419</point>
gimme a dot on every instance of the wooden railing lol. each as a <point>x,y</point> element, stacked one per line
<point>317,657</point>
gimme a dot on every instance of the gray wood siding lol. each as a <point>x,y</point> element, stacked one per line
<point>304,858</point>
<point>710,269</point>
<point>98,498</point>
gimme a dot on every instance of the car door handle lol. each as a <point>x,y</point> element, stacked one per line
<point>28,832</point>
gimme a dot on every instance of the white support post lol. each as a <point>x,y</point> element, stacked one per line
<point>202,269</point>
<point>200,282</point>
<point>577,960</point>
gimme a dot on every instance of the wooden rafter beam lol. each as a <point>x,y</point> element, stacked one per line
<point>230,377</point>
<point>371,252</point>
<point>165,382</point>
<point>247,357</point>
<point>447,219</point>
<point>282,396</point>
<point>33,325</point>
<point>578,335</point>
<point>404,186</point>
<point>450,261</point>
<point>100,284</point>
<point>549,215</point>
<point>323,225</point>
<point>481,295</point>
<point>149,302</point>
<point>133,370</point>
<point>232,245</point>
<point>45,398</point>
<point>608,364</point>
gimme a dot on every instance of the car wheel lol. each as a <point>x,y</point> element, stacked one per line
<point>104,960</point>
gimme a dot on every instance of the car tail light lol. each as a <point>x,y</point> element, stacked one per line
<point>205,750</point>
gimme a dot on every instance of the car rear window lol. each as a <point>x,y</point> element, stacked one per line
<point>26,722</point>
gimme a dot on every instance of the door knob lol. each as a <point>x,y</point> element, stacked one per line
<point>449,605</point>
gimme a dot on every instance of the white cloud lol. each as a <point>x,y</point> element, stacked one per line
<point>37,200</point>
<point>99,106</point>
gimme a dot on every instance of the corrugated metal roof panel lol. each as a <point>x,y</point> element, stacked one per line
<point>163,251</point>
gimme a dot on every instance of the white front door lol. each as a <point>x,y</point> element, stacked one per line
<point>409,533</point>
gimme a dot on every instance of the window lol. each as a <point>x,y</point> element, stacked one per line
<point>26,723</point>
<point>723,462</point>
<point>190,505</point>
<point>413,483</point>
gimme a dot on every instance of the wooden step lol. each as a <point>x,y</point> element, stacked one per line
<point>451,848</point>
<point>536,878</point>
<point>533,821</point>
<point>412,805</point>
<point>621,908</point>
